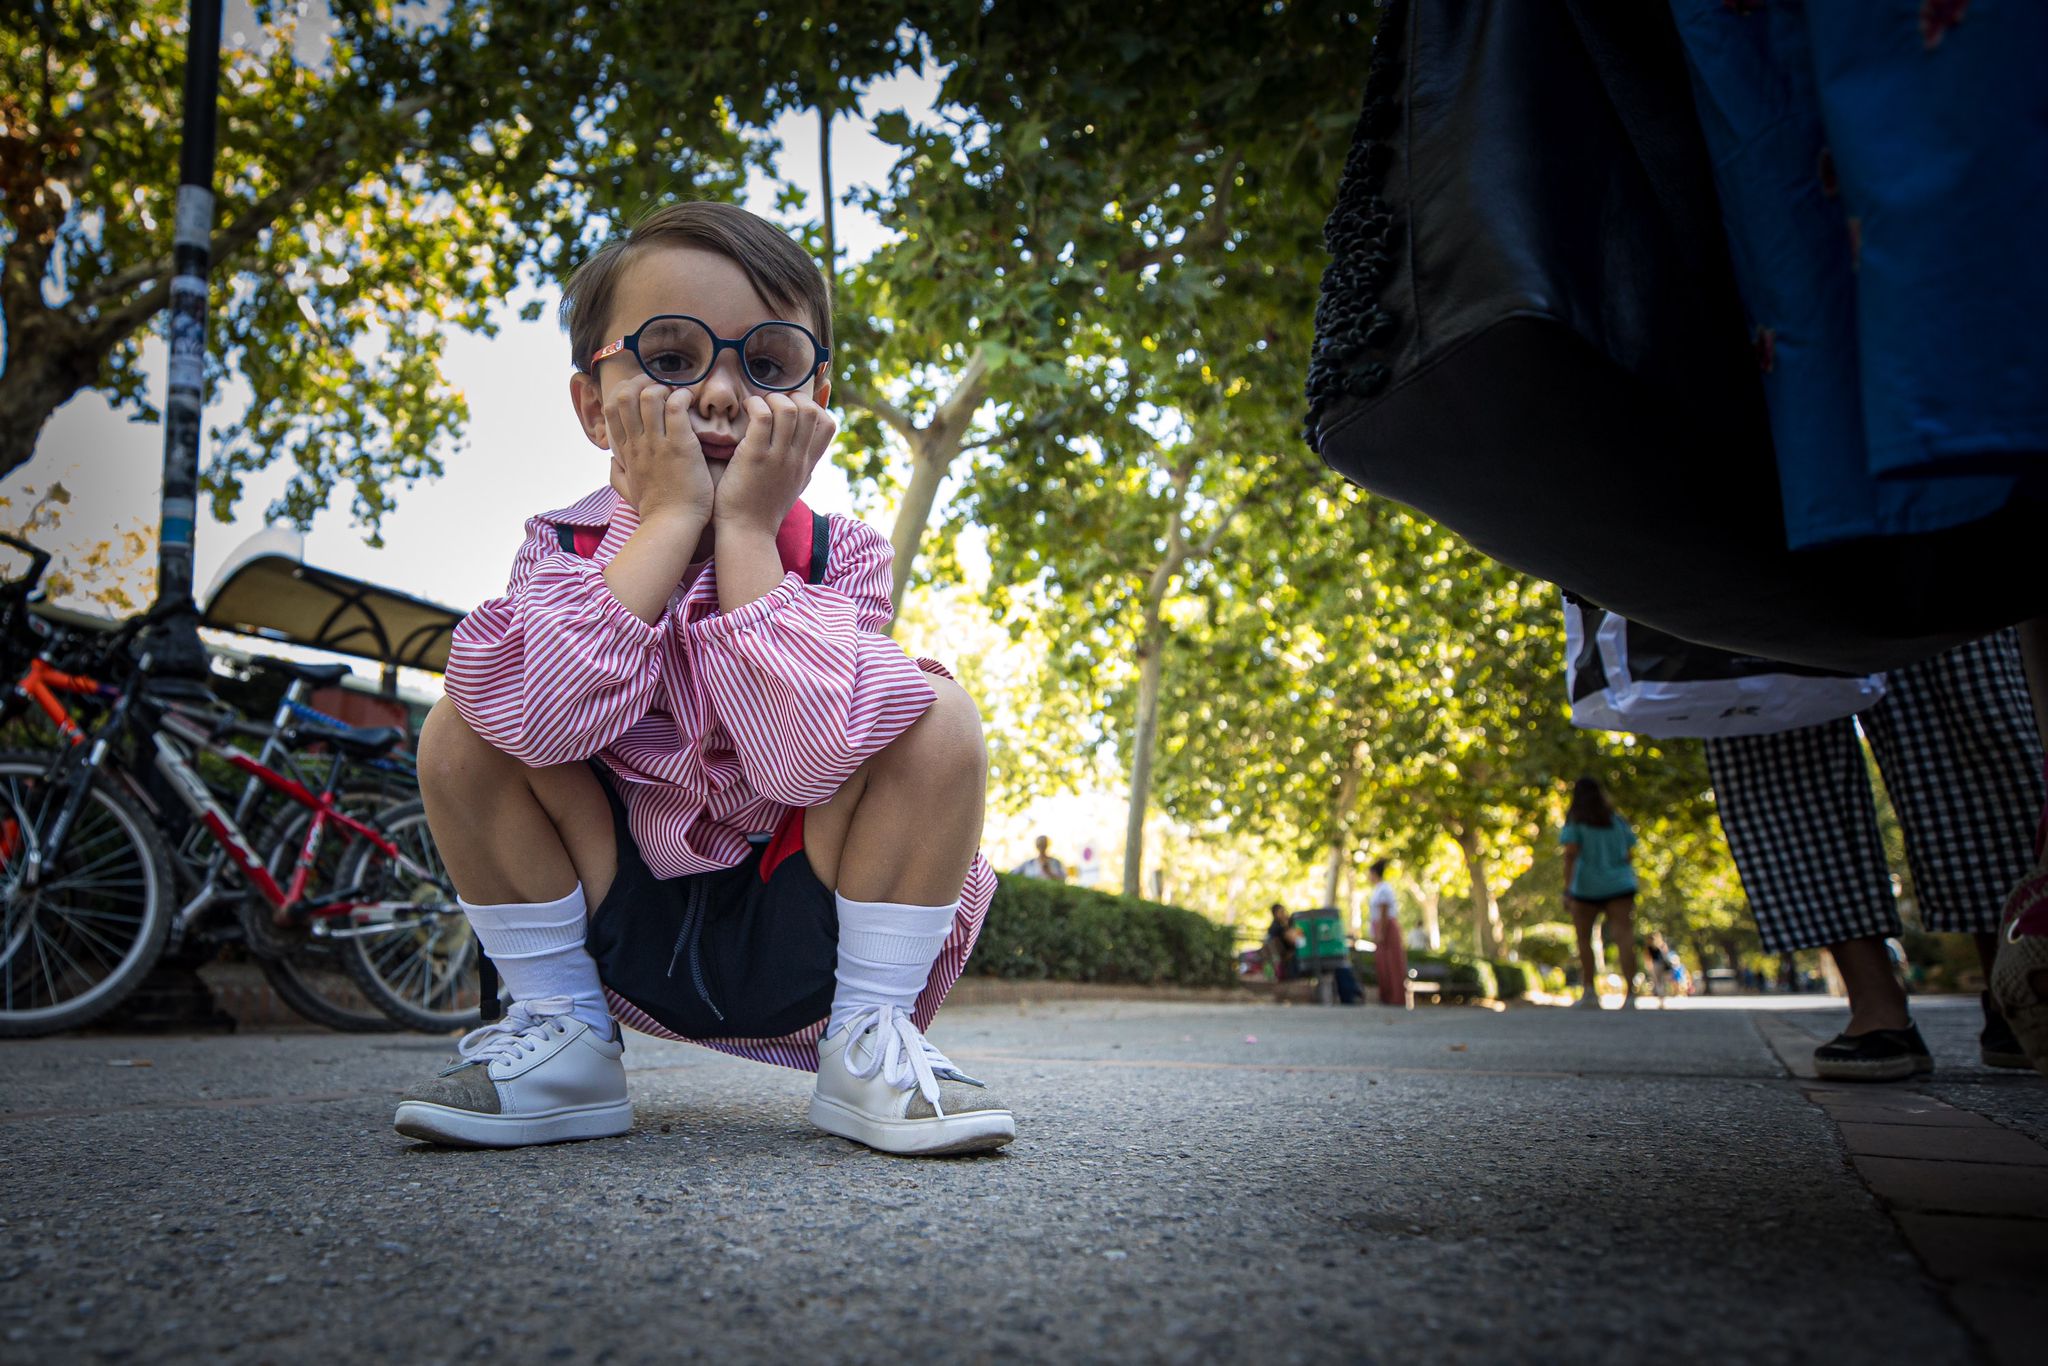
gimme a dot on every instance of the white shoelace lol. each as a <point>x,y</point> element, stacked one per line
<point>900,1052</point>
<point>515,1033</point>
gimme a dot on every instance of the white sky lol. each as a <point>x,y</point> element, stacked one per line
<point>450,539</point>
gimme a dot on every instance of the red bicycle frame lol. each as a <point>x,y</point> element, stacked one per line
<point>197,795</point>
<point>42,684</point>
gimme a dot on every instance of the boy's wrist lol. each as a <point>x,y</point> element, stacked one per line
<point>675,524</point>
<point>743,524</point>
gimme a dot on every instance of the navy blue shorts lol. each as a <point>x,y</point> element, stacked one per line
<point>746,952</point>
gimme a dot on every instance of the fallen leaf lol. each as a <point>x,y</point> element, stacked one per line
<point>1457,1048</point>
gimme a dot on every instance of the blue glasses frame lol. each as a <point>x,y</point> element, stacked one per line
<point>820,353</point>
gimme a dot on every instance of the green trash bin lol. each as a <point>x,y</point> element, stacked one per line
<point>1324,940</point>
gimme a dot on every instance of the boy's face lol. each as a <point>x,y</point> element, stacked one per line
<point>703,285</point>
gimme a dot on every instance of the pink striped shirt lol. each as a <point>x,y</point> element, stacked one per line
<point>713,724</point>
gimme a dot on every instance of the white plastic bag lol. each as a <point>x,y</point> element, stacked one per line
<point>1621,675</point>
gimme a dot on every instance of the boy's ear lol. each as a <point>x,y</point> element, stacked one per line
<point>588,401</point>
<point>821,389</point>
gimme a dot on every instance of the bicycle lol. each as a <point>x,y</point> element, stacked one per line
<point>80,849</point>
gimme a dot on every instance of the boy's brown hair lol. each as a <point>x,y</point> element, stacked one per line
<point>782,272</point>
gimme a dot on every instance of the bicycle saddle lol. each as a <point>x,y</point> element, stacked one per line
<point>312,673</point>
<point>357,742</point>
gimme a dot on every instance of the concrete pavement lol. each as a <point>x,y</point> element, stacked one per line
<point>1191,1183</point>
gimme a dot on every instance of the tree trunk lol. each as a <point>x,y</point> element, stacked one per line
<point>1430,925</point>
<point>32,389</point>
<point>1485,910</point>
<point>927,471</point>
<point>1151,671</point>
<point>1333,876</point>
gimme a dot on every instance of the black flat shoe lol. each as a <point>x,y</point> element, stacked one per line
<point>1998,1046</point>
<point>1880,1055</point>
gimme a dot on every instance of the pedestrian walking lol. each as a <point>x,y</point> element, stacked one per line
<point>1667,970</point>
<point>1599,880</point>
<point>681,779</point>
<point>1389,954</point>
<point>1957,747</point>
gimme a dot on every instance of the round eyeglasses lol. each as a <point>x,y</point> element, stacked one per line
<point>678,350</point>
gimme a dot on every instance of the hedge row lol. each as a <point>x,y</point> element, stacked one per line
<point>1476,978</point>
<point>1048,931</point>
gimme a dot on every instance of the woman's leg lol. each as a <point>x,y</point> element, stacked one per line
<point>1585,923</point>
<point>1876,1000</point>
<point>1621,923</point>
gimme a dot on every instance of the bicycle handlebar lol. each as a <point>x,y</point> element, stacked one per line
<point>39,560</point>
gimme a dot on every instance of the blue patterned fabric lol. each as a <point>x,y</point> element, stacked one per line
<point>1883,172</point>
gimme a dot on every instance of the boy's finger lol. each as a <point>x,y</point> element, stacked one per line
<point>676,416</point>
<point>803,423</point>
<point>784,408</point>
<point>653,406</point>
<point>821,436</point>
<point>760,427</point>
<point>623,408</point>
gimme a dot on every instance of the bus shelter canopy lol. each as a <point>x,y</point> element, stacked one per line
<point>267,590</point>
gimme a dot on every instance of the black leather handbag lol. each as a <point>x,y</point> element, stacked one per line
<point>1530,332</point>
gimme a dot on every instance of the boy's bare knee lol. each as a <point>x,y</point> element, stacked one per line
<point>945,744</point>
<point>454,759</point>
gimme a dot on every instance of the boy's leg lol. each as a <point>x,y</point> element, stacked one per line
<point>895,845</point>
<point>530,851</point>
<point>906,826</point>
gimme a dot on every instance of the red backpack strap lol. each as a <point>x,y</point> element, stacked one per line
<point>580,541</point>
<point>803,542</point>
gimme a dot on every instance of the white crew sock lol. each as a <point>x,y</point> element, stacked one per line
<point>538,950</point>
<point>886,951</point>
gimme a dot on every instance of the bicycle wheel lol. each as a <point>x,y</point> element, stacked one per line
<point>95,922</point>
<point>309,975</point>
<point>421,971</point>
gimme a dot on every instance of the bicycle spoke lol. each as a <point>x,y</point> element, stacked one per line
<point>35,936</point>
<point>91,913</point>
<point>93,939</point>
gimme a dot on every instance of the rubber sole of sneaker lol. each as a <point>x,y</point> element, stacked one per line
<point>454,1128</point>
<point>1873,1069</point>
<point>977,1131</point>
<point>2019,1061</point>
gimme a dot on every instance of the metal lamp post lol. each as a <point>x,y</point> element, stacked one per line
<point>174,639</point>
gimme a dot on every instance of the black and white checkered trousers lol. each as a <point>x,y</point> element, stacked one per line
<point>1956,743</point>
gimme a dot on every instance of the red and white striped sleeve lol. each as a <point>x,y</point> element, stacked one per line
<point>802,679</point>
<point>557,668</point>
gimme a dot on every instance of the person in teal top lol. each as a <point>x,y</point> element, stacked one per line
<point>1599,879</point>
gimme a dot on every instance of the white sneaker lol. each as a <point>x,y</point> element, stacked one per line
<point>540,1075</point>
<point>882,1083</point>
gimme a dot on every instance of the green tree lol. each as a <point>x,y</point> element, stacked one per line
<point>1083,188</point>
<point>386,173</point>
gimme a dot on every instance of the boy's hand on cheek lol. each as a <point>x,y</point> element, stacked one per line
<point>787,435</point>
<point>657,465</point>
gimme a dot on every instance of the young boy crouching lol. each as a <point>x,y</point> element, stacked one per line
<point>680,779</point>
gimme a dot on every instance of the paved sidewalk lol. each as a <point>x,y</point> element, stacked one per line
<point>1191,1183</point>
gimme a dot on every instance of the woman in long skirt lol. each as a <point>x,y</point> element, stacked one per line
<point>1390,956</point>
